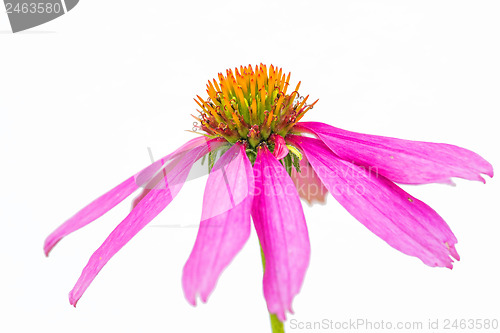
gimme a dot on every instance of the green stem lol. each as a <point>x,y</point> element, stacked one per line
<point>276,325</point>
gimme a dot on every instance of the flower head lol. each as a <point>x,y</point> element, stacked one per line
<point>251,105</point>
<point>268,161</point>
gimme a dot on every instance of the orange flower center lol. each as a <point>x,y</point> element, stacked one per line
<point>251,104</point>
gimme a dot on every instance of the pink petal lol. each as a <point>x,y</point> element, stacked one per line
<point>104,203</point>
<point>309,186</point>
<point>141,196</point>
<point>402,161</point>
<point>404,222</point>
<point>279,220</point>
<point>225,225</point>
<point>159,167</point>
<point>150,206</point>
<point>280,148</point>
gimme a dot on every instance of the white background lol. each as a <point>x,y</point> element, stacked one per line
<point>82,97</point>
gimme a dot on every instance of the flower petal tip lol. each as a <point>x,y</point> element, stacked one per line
<point>204,298</point>
<point>488,169</point>
<point>72,300</point>
<point>192,301</point>
<point>49,245</point>
<point>454,253</point>
<point>189,295</point>
<point>491,173</point>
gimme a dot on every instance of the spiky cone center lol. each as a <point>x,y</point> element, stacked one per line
<point>250,104</point>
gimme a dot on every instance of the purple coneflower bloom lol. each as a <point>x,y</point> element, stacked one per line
<point>268,161</point>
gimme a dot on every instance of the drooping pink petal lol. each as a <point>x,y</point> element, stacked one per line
<point>141,196</point>
<point>104,203</point>
<point>280,148</point>
<point>309,186</point>
<point>146,176</point>
<point>280,224</point>
<point>225,223</point>
<point>156,178</point>
<point>148,208</point>
<point>402,161</point>
<point>404,222</point>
